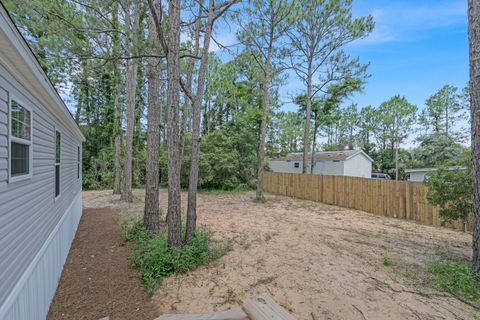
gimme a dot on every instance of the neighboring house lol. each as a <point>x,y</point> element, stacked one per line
<point>354,163</point>
<point>421,174</point>
<point>40,180</point>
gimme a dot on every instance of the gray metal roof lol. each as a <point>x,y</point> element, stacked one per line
<point>432,169</point>
<point>322,155</point>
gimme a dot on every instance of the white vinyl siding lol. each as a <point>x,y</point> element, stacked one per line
<point>28,212</point>
<point>358,166</point>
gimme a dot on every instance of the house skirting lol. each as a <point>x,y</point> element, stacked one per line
<point>31,297</point>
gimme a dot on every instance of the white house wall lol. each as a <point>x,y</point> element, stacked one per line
<point>417,176</point>
<point>285,166</point>
<point>31,252</point>
<point>332,168</point>
<point>328,167</point>
<point>358,166</point>
<point>34,292</point>
<point>318,167</point>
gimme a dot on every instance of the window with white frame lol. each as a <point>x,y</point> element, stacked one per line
<point>20,141</point>
<point>58,143</point>
<point>78,163</point>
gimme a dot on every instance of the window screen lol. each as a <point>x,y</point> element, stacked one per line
<point>78,163</point>
<point>20,121</point>
<point>20,159</point>
<point>58,140</point>
<point>57,180</point>
<point>58,143</point>
<point>20,139</point>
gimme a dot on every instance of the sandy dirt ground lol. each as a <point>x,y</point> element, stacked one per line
<point>317,261</point>
<point>96,280</point>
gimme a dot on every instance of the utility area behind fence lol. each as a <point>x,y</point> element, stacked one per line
<point>398,199</point>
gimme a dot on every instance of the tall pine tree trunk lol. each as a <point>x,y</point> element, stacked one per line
<point>117,184</point>
<point>474,54</point>
<point>174,219</point>
<point>190,69</point>
<point>314,142</point>
<point>131,99</point>
<point>151,215</point>
<point>197,105</point>
<point>306,129</point>
<point>263,129</point>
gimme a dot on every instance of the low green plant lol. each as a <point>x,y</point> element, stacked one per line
<point>238,189</point>
<point>156,260</point>
<point>387,261</point>
<point>455,277</point>
<point>133,230</point>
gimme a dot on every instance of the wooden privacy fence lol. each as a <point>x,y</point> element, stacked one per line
<point>398,199</point>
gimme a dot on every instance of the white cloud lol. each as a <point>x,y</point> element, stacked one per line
<point>403,21</point>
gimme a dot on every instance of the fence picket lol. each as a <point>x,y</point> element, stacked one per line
<point>400,199</point>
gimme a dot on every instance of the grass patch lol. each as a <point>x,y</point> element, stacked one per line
<point>156,260</point>
<point>387,261</point>
<point>455,277</point>
<point>238,189</point>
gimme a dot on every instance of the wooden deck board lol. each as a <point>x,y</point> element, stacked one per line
<point>265,308</point>
<point>223,315</point>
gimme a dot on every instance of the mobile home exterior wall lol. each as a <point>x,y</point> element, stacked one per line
<point>358,166</point>
<point>36,226</point>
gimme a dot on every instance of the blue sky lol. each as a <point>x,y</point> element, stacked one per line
<point>415,48</point>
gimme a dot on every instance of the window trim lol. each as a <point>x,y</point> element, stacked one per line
<point>11,138</point>
<point>55,164</point>
<point>79,161</point>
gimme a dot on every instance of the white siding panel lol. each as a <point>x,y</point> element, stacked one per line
<point>3,96</point>
<point>358,166</point>
<point>332,168</point>
<point>3,119</point>
<point>36,289</point>
<point>286,166</point>
<point>35,230</point>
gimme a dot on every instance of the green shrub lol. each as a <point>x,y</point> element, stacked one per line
<point>387,261</point>
<point>156,260</point>
<point>455,277</point>
<point>451,189</point>
<point>133,230</point>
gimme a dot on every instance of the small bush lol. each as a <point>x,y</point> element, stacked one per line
<point>455,277</point>
<point>387,261</point>
<point>133,230</point>
<point>238,189</point>
<point>156,260</point>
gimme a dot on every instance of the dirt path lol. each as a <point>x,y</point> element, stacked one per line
<point>318,261</point>
<point>96,280</point>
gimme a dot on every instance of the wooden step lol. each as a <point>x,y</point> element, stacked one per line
<point>223,315</point>
<point>265,308</point>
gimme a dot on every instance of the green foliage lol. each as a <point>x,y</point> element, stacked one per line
<point>238,189</point>
<point>444,109</point>
<point>437,149</point>
<point>387,261</point>
<point>156,260</point>
<point>451,189</point>
<point>455,277</point>
<point>134,230</point>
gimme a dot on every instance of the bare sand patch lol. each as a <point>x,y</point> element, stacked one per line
<point>318,261</point>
